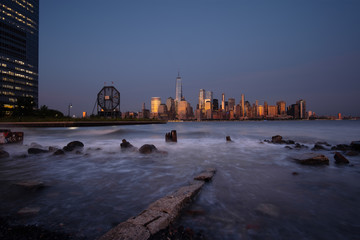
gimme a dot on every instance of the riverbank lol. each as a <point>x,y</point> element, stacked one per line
<point>77,123</point>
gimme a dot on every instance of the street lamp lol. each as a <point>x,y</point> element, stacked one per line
<point>70,106</point>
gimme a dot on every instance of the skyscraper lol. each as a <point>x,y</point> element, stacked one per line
<point>178,89</point>
<point>19,40</point>
<point>223,101</point>
<point>155,103</point>
<point>242,105</point>
<point>202,100</point>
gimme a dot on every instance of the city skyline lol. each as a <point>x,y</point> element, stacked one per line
<point>270,51</point>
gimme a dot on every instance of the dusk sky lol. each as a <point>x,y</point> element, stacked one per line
<point>267,50</point>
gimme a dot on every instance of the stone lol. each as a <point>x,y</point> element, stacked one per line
<point>323,143</point>
<point>36,151</point>
<point>351,153</point>
<point>206,176</point>
<point>288,147</point>
<point>4,154</point>
<point>29,210</point>
<point>31,184</point>
<point>276,139</point>
<point>53,149</point>
<point>341,147</point>
<point>289,142</point>
<point>153,220</point>
<point>59,152</point>
<point>127,231</point>
<point>313,159</point>
<point>268,209</point>
<point>355,145</point>
<point>340,159</point>
<point>147,148</point>
<point>300,146</point>
<point>35,145</point>
<point>318,147</point>
<point>228,138</point>
<point>125,145</point>
<point>171,136</point>
<point>73,145</point>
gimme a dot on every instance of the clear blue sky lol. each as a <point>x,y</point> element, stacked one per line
<point>267,50</point>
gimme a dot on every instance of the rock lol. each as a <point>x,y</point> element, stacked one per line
<point>73,145</point>
<point>288,147</point>
<point>4,154</point>
<point>171,136</point>
<point>355,145</point>
<point>341,147</point>
<point>276,139</point>
<point>289,142</point>
<point>295,173</point>
<point>340,159</point>
<point>300,146</point>
<point>323,143</point>
<point>147,148</point>
<point>36,151</point>
<point>29,210</point>
<point>313,159</point>
<point>268,209</point>
<point>318,147</point>
<point>127,231</point>
<point>53,149</point>
<point>228,138</point>
<point>125,145</point>
<point>31,184</point>
<point>351,153</point>
<point>206,175</point>
<point>59,152</point>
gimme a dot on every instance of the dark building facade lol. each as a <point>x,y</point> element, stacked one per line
<point>19,44</point>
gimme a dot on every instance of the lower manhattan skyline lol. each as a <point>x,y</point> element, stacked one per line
<point>269,51</point>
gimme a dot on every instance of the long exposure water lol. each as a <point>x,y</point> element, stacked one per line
<point>89,193</point>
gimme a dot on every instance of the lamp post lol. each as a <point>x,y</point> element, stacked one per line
<point>70,106</point>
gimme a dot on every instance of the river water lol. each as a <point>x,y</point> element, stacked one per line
<point>254,194</point>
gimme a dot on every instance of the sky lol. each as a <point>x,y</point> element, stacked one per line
<point>266,50</point>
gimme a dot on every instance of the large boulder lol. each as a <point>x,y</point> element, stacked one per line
<point>313,159</point>
<point>341,147</point>
<point>4,154</point>
<point>147,148</point>
<point>276,139</point>
<point>125,145</point>
<point>318,147</point>
<point>36,151</point>
<point>340,159</point>
<point>73,145</point>
<point>355,145</point>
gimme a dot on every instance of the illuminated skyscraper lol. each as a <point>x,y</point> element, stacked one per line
<point>281,107</point>
<point>178,89</point>
<point>231,103</point>
<point>302,108</point>
<point>19,40</point>
<point>223,102</point>
<point>242,105</point>
<point>155,103</point>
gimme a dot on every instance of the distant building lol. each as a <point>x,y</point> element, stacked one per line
<point>209,95</point>
<point>170,104</point>
<point>265,109</point>
<point>185,110</point>
<point>178,89</point>
<point>155,103</point>
<point>19,54</point>
<point>223,101</point>
<point>272,111</point>
<point>202,100</point>
<point>302,109</point>
<point>242,103</point>
<point>215,104</point>
<point>260,110</point>
<point>231,103</point>
<point>281,108</point>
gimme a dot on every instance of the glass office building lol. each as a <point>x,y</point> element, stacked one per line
<point>19,45</point>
